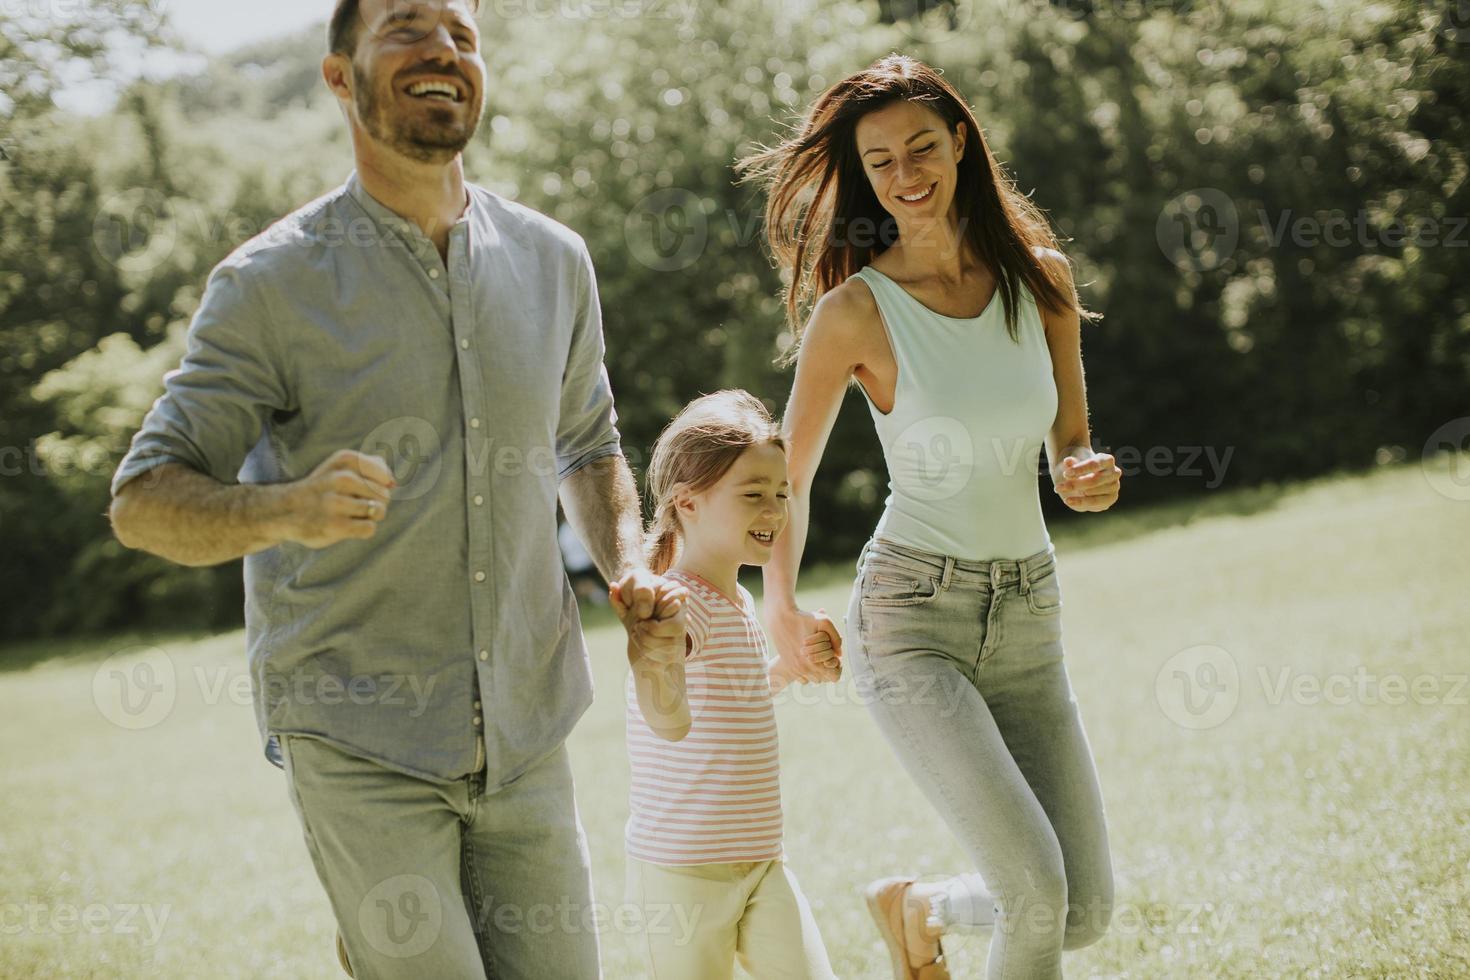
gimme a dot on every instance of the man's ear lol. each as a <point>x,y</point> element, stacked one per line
<point>337,73</point>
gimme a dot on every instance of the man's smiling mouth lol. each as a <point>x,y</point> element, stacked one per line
<point>443,91</point>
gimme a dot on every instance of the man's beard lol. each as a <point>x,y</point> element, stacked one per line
<point>426,140</point>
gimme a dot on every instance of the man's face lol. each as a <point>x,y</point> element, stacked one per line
<point>418,78</point>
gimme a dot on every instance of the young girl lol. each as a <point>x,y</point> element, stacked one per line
<point>705,861</point>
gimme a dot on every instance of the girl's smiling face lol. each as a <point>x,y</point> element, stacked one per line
<point>738,518</point>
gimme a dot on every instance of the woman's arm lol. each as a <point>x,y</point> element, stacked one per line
<point>829,354</point>
<point>1085,480</point>
<point>815,648</point>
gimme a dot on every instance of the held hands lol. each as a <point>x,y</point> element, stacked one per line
<point>343,498</point>
<point>808,647</point>
<point>1088,481</point>
<point>652,611</point>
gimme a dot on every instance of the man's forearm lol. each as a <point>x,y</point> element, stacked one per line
<point>601,501</point>
<point>185,516</point>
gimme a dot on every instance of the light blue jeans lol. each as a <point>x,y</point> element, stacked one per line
<point>961,664</point>
<point>441,879</point>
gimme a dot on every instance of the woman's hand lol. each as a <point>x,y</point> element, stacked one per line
<point>808,646</point>
<point>1088,481</point>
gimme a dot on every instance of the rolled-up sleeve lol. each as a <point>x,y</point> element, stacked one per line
<point>587,427</point>
<point>216,404</point>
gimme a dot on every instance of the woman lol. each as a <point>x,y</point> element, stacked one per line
<point>938,289</point>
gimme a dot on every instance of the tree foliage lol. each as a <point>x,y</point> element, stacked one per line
<point>1229,177</point>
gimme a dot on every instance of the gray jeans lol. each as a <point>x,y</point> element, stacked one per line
<point>961,664</point>
<point>441,880</point>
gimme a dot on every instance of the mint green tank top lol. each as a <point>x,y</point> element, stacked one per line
<point>970,415</point>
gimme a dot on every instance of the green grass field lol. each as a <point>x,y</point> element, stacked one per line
<point>1274,683</point>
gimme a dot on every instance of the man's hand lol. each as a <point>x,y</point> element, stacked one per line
<point>343,498</point>
<point>652,611</point>
<point>808,646</point>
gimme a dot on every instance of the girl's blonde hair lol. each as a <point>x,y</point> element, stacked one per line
<point>695,450</point>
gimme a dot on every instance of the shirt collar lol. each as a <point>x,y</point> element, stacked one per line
<point>392,220</point>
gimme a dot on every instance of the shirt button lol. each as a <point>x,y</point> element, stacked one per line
<point>433,273</point>
<point>484,654</point>
<point>479,500</point>
<point>479,576</point>
<point>477,721</point>
<point>474,423</point>
<point>464,345</point>
<point>477,706</point>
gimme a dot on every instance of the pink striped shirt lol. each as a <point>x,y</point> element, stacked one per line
<point>715,796</point>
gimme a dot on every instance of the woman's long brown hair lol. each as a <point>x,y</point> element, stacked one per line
<point>824,223</point>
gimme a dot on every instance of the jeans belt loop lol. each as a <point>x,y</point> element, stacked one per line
<point>948,571</point>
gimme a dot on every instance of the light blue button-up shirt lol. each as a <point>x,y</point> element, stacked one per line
<point>481,381</point>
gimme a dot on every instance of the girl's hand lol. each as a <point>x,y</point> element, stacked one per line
<point>656,651</point>
<point>808,646</point>
<point>817,648</point>
<point>1088,481</point>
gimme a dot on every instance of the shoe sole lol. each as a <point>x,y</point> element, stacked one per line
<point>897,954</point>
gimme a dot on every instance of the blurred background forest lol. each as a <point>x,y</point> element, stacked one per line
<point>1266,201</point>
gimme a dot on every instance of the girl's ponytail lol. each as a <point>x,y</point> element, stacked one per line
<point>662,543</point>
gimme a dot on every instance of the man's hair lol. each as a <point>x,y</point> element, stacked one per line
<point>342,28</point>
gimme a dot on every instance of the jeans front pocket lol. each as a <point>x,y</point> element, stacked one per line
<point>893,585</point>
<point>1044,594</point>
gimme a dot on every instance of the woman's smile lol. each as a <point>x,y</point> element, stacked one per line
<point>919,197</point>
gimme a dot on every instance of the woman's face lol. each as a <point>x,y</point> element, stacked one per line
<point>911,159</point>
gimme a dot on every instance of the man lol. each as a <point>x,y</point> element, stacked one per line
<point>403,376</point>
<point>581,569</point>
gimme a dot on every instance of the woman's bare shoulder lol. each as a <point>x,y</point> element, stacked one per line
<point>846,318</point>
